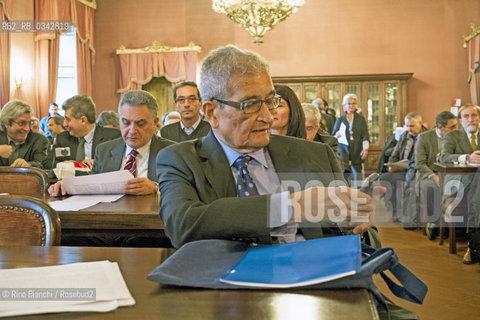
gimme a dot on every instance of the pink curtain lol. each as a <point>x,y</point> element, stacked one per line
<point>83,18</point>
<point>47,47</point>
<point>474,68</point>
<point>137,69</point>
<point>4,56</point>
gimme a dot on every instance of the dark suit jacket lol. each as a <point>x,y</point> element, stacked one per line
<point>109,156</point>
<point>456,144</point>
<point>386,153</point>
<point>101,134</point>
<point>34,150</point>
<point>333,143</point>
<point>199,197</point>
<point>398,151</point>
<point>174,131</point>
<point>329,121</point>
<point>426,151</point>
<point>355,147</point>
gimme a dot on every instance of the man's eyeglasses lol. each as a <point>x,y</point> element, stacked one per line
<point>253,105</point>
<point>190,99</point>
<point>24,123</point>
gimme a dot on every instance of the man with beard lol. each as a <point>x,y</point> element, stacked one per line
<point>462,146</point>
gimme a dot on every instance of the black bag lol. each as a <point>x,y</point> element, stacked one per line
<point>201,263</point>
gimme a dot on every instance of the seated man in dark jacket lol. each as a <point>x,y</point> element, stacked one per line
<point>20,146</point>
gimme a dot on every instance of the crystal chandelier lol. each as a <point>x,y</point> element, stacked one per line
<point>257,16</point>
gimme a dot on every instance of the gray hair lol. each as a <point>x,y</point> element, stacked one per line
<point>318,103</point>
<point>221,64</point>
<point>413,115</point>
<point>347,97</point>
<point>81,105</point>
<point>170,115</point>
<point>34,119</point>
<point>12,110</point>
<point>140,98</point>
<point>462,108</point>
<point>312,113</point>
<point>108,118</point>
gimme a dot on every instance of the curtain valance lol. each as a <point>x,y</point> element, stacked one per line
<point>139,66</point>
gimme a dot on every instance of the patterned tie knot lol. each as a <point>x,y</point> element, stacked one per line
<point>131,164</point>
<point>133,153</point>
<point>242,162</point>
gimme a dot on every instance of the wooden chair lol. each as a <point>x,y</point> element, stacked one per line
<point>28,221</point>
<point>31,182</point>
<point>459,211</point>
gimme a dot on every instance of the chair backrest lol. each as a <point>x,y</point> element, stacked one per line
<point>31,182</point>
<point>28,221</point>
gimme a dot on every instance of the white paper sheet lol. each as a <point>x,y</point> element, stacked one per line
<point>105,277</point>
<point>102,183</point>
<point>343,134</point>
<point>79,202</point>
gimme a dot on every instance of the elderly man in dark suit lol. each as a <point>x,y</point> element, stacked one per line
<point>82,136</point>
<point>463,146</point>
<point>20,146</point>
<point>427,183</point>
<point>228,185</point>
<point>136,150</point>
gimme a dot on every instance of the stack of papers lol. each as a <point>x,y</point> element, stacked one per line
<point>86,287</point>
<point>76,203</point>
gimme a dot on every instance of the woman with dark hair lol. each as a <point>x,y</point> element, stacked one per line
<point>288,118</point>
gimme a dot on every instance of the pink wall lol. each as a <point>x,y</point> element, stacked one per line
<point>328,37</point>
<point>22,55</point>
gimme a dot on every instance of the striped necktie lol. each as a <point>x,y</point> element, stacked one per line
<point>131,164</point>
<point>245,185</point>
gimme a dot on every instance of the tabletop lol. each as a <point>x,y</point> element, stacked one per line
<point>128,216</point>
<point>154,301</point>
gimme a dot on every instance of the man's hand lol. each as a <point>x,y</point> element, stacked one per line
<point>57,188</point>
<point>88,162</point>
<point>436,178</point>
<point>364,154</point>
<point>475,157</point>
<point>6,150</point>
<point>140,186</point>
<point>342,205</point>
<point>20,163</point>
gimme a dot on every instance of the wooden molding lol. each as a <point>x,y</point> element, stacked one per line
<point>343,78</point>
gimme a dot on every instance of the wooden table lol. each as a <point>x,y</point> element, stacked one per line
<point>443,169</point>
<point>128,216</point>
<point>156,302</point>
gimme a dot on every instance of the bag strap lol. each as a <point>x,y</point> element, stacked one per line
<point>411,289</point>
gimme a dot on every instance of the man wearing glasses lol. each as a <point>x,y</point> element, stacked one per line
<point>188,104</point>
<point>233,183</point>
<point>19,146</point>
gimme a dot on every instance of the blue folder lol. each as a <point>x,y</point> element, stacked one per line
<point>297,264</point>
